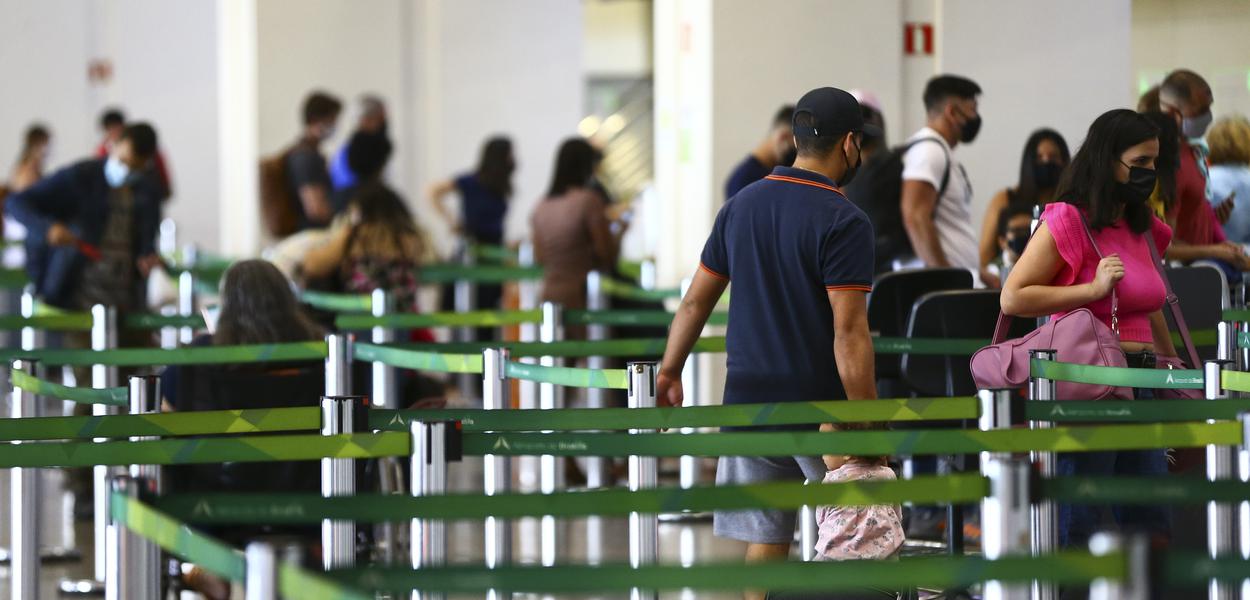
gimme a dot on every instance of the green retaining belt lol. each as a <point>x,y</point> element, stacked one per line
<point>1240,315</point>
<point>1236,381</point>
<point>294,582</point>
<point>494,253</point>
<point>208,355</point>
<point>1200,337</point>
<point>261,448</point>
<point>862,443</point>
<point>631,269</point>
<point>572,349</point>
<point>56,322</point>
<point>1243,339</point>
<point>1143,490</point>
<point>822,576</point>
<point>483,318</point>
<point>929,346</point>
<point>13,279</point>
<point>419,360</point>
<point>628,291</point>
<point>1193,569</point>
<point>1149,411</point>
<point>449,273</point>
<point>150,321</point>
<point>222,509</point>
<point>258,420</point>
<point>569,376</point>
<point>731,415</point>
<point>336,302</point>
<point>176,538</point>
<point>118,396</point>
<point>632,318</point>
<point>1118,376</point>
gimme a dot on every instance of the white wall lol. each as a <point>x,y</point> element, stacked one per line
<point>1209,37</point>
<point>614,47</point>
<point>1058,64</point>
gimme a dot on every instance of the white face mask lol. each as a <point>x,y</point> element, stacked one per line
<point>115,172</point>
<point>327,132</point>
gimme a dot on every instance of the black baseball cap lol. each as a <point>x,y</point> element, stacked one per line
<point>834,112</point>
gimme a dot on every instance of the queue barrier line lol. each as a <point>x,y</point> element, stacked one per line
<point>616,379</point>
<point>188,544</point>
<point>859,443</point>
<point>13,279</point>
<point>1191,568</point>
<point>728,415</point>
<point>571,348</point>
<point>493,252</point>
<point>260,448</point>
<point>630,269</point>
<point>206,355</point>
<point>148,321</point>
<point>1236,381</point>
<point>1239,315</point>
<point>48,322</point>
<point>1174,379</point>
<point>632,318</point>
<point>417,359</point>
<point>944,572</point>
<point>928,346</point>
<point>212,422</point>
<point>1243,339</point>
<point>481,318</point>
<point>117,396</point>
<point>620,289</point>
<point>1122,411</point>
<point>233,509</point>
<point>1200,337</point>
<point>1143,490</point>
<point>295,582</point>
<point>350,303</point>
<point>449,273</point>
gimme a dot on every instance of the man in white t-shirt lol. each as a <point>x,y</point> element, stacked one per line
<point>941,228</point>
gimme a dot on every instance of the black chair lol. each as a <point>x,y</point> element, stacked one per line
<point>1203,294</point>
<point>889,309</point>
<point>952,314</point>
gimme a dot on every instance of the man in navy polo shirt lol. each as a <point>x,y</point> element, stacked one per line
<point>800,255</point>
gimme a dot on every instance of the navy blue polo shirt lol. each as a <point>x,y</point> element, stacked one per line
<point>749,171</point>
<point>785,242</point>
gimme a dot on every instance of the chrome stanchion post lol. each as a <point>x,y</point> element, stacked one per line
<point>103,337</point>
<point>1226,344</point>
<point>384,382</point>
<point>1044,515</point>
<point>807,531</point>
<point>643,528</point>
<point>1243,521</point>
<point>429,478</point>
<point>145,556</point>
<point>465,293</point>
<point>1221,536</point>
<point>1004,519</point>
<point>31,338</point>
<point>496,469</point>
<point>186,291</point>
<point>338,478</point>
<point>1136,584</point>
<point>596,300</point>
<point>550,396</point>
<point>528,292</point>
<point>24,503</point>
<point>132,562</point>
<point>339,364</point>
<point>261,579</point>
<point>649,275</point>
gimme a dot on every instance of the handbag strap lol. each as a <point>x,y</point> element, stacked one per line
<point>1115,298</point>
<point>1174,304</point>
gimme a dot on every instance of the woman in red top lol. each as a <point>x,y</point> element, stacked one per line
<point>1092,251</point>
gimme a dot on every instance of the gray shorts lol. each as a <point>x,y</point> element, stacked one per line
<point>762,526</point>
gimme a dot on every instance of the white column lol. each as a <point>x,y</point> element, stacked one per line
<point>238,127</point>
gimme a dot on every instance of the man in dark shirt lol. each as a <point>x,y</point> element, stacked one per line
<point>776,149</point>
<point>91,227</point>
<point>801,255</point>
<point>306,166</point>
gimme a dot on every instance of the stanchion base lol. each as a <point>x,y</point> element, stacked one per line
<point>48,555</point>
<point>685,516</point>
<point>81,587</point>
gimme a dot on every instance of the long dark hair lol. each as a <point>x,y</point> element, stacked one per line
<point>494,169</point>
<point>386,225</point>
<point>1169,161</point>
<point>259,307</point>
<point>1026,189</point>
<point>575,163</point>
<point>1089,182</point>
<point>36,135</point>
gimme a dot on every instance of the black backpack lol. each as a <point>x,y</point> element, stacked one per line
<point>878,191</point>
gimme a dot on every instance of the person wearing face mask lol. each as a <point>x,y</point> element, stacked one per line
<point>91,227</point>
<point>1195,215</point>
<point>777,148</point>
<point>1014,229</point>
<point>800,255</point>
<point>1045,156</point>
<point>307,174</point>
<point>939,226</point>
<point>1092,250</point>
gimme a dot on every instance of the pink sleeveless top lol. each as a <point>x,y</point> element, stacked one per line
<point>1140,293</point>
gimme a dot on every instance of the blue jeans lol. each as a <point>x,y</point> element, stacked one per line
<point>1077,522</point>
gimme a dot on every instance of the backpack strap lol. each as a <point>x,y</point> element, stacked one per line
<point>1174,303</point>
<point>946,177</point>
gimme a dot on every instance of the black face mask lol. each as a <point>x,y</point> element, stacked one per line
<point>850,171</point>
<point>970,129</point>
<point>1017,239</point>
<point>1046,175</point>
<point>787,159</point>
<point>1141,183</point>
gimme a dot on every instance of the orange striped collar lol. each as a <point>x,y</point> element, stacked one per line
<point>802,181</point>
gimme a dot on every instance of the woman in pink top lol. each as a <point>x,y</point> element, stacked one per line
<point>1102,196</point>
